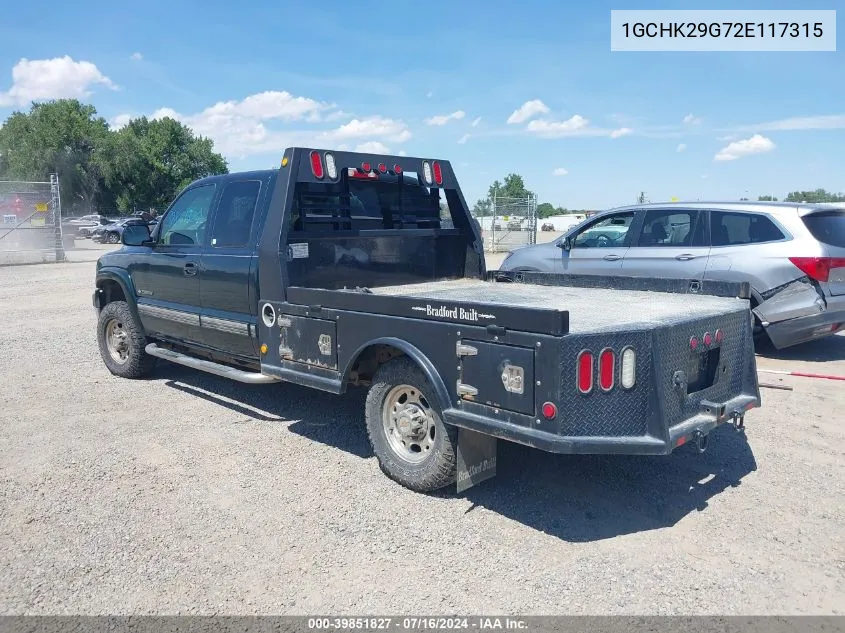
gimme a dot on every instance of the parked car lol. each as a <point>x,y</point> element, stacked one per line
<point>793,255</point>
<point>110,234</point>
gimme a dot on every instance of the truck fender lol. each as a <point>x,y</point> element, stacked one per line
<point>122,279</point>
<point>414,354</point>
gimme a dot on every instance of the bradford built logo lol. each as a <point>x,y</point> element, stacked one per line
<point>456,313</point>
<point>476,470</point>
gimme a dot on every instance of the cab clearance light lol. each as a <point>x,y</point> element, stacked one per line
<point>607,369</point>
<point>316,165</point>
<point>584,372</point>
<point>719,336</point>
<point>382,168</point>
<point>707,339</point>
<point>397,169</point>
<point>366,167</point>
<point>331,168</point>
<point>693,343</point>
<point>629,368</point>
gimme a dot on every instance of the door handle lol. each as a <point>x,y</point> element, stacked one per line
<point>612,258</point>
<point>685,257</point>
<point>190,269</point>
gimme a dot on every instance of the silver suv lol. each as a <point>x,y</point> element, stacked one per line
<point>793,255</point>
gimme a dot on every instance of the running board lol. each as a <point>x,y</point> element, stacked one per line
<point>249,377</point>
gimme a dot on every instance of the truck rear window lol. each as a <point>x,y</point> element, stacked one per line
<point>828,227</point>
<point>356,204</point>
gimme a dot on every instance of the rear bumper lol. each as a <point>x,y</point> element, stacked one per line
<point>702,423</point>
<point>808,328</point>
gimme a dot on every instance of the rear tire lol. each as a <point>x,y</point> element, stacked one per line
<point>413,445</point>
<point>121,340</point>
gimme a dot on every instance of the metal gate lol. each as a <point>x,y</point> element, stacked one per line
<point>513,223</point>
<point>31,222</point>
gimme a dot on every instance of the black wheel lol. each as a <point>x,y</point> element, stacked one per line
<point>113,238</point>
<point>405,425</point>
<point>122,342</point>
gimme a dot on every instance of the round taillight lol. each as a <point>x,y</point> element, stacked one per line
<point>397,169</point>
<point>719,336</point>
<point>366,167</point>
<point>549,410</point>
<point>382,167</point>
<point>708,339</point>
<point>693,343</point>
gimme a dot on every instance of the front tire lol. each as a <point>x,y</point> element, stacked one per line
<point>113,238</point>
<point>413,445</point>
<point>121,340</point>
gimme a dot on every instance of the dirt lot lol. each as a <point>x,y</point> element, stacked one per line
<point>186,493</point>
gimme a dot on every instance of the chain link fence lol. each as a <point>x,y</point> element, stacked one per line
<point>512,223</point>
<point>30,222</point>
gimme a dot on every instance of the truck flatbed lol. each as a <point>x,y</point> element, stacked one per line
<point>591,310</point>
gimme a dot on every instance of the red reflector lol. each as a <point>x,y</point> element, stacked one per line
<point>382,167</point>
<point>680,441</point>
<point>316,165</point>
<point>397,169</point>
<point>607,369</point>
<point>438,174</point>
<point>818,268</point>
<point>707,339</point>
<point>549,410</point>
<point>719,336</point>
<point>584,378</point>
<point>366,167</point>
<point>693,343</point>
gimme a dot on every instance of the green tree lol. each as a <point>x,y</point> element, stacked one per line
<point>819,195</point>
<point>147,162</point>
<point>766,199</point>
<point>56,137</point>
<point>545,210</point>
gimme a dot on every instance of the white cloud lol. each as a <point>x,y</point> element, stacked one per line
<point>372,147</point>
<point>57,78</point>
<point>463,139</point>
<point>337,115</point>
<point>729,137</point>
<point>136,57</point>
<point>374,127</point>
<point>528,110</point>
<point>121,120</point>
<point>755,145</point>
<point>692,120</point>
<point>681,147</point>
<point>822,122</point>
<point>270,104</point>
<point>475,122</point>
<point>402,152</point>
<point>443,119</point>
<point>560,171</point>
<point>576,125</point>
<point>623,131</point>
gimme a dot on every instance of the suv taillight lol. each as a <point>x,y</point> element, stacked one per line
<point>818,268</point>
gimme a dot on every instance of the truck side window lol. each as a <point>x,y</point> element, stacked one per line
<point>233,221</point>
<point>185,222</point>
<point>730,229</point>
<point>606,233</point>
<point>672,227</point>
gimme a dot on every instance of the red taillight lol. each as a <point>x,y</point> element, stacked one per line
<point>707,339</point>
<point>397,169</point>
<point>719,336</point>
<point>607,369</point>
<point>549,410</point>
<point>818,268</point>
<point>584,378</point>
<point>438,173</point>
<point>316,165</point>
<point>366,167</point>
<point>693,343</point>
<point>382,167</point>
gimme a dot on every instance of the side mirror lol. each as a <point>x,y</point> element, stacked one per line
<point>136,235</point>
<point>566,243</point>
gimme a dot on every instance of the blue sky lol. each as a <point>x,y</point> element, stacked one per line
<point>265,75</point>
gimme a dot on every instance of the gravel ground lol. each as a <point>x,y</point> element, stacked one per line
<point>186,493</point>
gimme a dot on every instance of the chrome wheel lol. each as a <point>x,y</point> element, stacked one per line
<point>408,423</point>
<point>117,341</point>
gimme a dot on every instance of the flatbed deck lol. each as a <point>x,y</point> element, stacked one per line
<point>591,310</point>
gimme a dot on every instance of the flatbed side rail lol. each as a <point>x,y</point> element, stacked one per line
<point>493,316</point>
<point>740,290</point>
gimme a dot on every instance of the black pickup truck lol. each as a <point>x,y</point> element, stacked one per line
<point>343,269</point>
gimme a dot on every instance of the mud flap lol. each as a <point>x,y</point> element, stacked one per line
<point>476,458</point>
